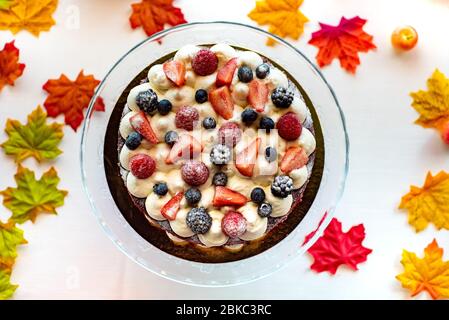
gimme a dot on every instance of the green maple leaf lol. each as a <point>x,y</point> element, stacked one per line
<point>10,238</point>
<point>6,288</point>
<point>5,4</point>
<point>32,197</point>
<point>35,139</point>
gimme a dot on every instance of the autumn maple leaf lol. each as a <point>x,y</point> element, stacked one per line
<point>6,288</point>
<point>10,238</point>
<point>335,248</point>
<point>344,42</point>
<point>10,68</point>
<point>152,15</point>
<point>71,98</point>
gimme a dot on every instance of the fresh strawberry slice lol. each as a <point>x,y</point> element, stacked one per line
<point>226,73</point>
<point>222,103</point>
<point>140,123</point>
<point>294,158</point>
<point>227,197</point>
<point>258,95</point>
<point>175,71</point>
<point>171,208</point>
<point>187,147</point>
<point>246,159</point>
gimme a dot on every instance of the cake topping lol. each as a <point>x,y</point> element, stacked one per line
<point>175,71</point>
<point>282,98</point>
<point>262,71</point>
<point>209,123</point>
<point>258,95</point>
<point>141,124</point>
<point>193,196</point>
<point>294,158</point>
<point>246,159</point>
<point>201,96</point>
<point>271,154</point>
<point>220,179</point>
<point>133,140</point>
<point>164,107</point>
<point>249,116</point>
<point>186,147</point>
<point>160,189</point>
<point>245,74</point>
<point>186,118</point>
<point>257,195</point>
<point>205,62</point>
<point>220,154</point>
<point>227,197</point>
<point>142,166</point>
<point>222,102</point>
<point>171,208</point>
<point>147,101</point>
<point>199,220</point>
<point>282,186</point>
<point>289,126</point>
<point>226,73</point>
<point>266,123</point>
<point>171,137</point>
<point>229,134</point>
<point>265,209</point>
<point>233,224</point>
<point>194,173</point>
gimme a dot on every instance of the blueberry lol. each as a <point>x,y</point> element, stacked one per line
<point>262,71</point>
<point>160,189</point>
<point>201,96</point>
<point>193,196</point>
<point>199,220</point>
<point>271,154</point>
<point>220,179</point>
<point>266,123</point>
<point>257,195</point>
<point>264,209</point>
<point>249,115</point>
<point>164,107</point>
<point>245,74</point>
<point>133,140</point>
<point>147,101</point>
<point>209,123</point>
<point>171,137</point>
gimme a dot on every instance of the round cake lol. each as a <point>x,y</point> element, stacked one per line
<point>215,148</point>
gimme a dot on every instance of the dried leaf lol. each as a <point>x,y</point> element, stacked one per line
<point>429,274</point>
<point>10,238</point>
<point>6,288</point>
<point>10,68</point>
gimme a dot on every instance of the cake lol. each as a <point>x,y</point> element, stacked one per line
<point>210,150</point>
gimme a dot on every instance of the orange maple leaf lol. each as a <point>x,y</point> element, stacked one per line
<point>344,42</point>
<point>10,68</point>
<point>71,98</point>
<point>153,14</point>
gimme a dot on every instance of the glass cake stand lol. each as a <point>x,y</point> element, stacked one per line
<point>336,146</point>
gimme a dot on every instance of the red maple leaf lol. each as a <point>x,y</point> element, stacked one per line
<point>10,68</point>
<point>153,14</point>
<point>344,42</point>
<point>335,248</point>
<point>71,98</point>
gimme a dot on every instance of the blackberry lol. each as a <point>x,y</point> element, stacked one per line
<point>264,209</point>
<point>209,123</point>
<point>282,186</point>
<point>266,123</point>
<point>164,107</point>
<point>199,220</point>
<point>257,195</point>
<point>282,98</point>
<point>220,179</point>
<point>201,96</point>
<point>160,189</point>
<point>133,140</point>
<point>147,101</point>
<point>193,196</point>
<point>245,74</point>
<point>262,71</point>
<point>171,137</point>
<point>249,115</point>
<point>271,154</point>
<point>220,154</point>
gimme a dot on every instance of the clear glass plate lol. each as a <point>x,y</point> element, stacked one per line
<point>231,273</point>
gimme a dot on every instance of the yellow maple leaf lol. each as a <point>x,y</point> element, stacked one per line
<point>429,274</point>
<point>31,15</point>
<point>429,203</point>
<point>283,17</point>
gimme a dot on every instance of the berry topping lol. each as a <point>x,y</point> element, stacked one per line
<point>227,197</point>
<point>194,173</point>
<point>133,140</point>
<point>220,154</point>
<point>147,101</point>
<point>282,186</point>
<point>271,154</point>
<point>264,209</point>
<point>281,97</point>
<point>171,137</point>
<point>175,71</point>
<point>233,224</point>
<point>199,220</point>
<point>187,147</point>
<point>266,123</point>
<point>164,107</point>
<point>229,134</point>
<point>201,96</point>
<point>160,189</point>
<point>258,95</point>
<point>257,195</point>
<point>245,74</point>
<point>246,159</point>
<point>249,116</point>
<point>220,179</point>
<point>142,166</point>
<point>193,196</point>
<point>294,158</point>
<point>222,102</point>
<point>171,208</point>
<point>289,126</point>
<point>140,123</point>
<point>186,118</point>
<point>205,62</point>
<point>262,71</point>
<point>209,123</point>
<point>226,73</point>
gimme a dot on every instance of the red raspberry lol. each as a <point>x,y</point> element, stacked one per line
<point>233,224</point>
<point>186,118</point>
<point>229,133</point>
<point>142,166</point>
<point>205,62</point>
<point>194,173</point>
<point>289,126</point>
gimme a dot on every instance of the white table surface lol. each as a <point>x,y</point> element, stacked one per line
<point>69,256</point>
